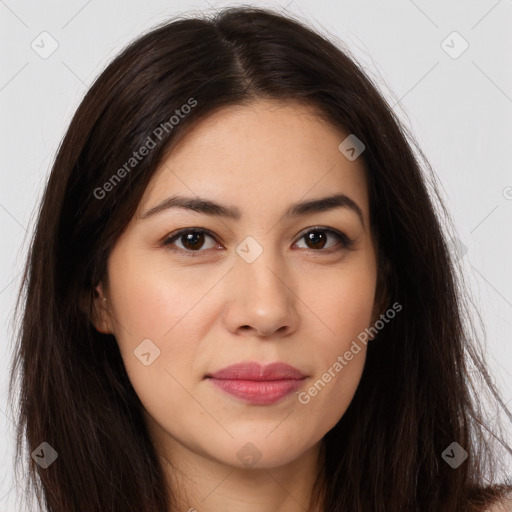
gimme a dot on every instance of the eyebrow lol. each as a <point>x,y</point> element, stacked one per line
<point>209,207</point>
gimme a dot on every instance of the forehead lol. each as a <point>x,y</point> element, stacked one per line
<point>269,152</point>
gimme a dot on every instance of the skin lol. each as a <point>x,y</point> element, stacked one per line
<point>296,303</point>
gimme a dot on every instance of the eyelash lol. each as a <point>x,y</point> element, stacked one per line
<point>346,242</point>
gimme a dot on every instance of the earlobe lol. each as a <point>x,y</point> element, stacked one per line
<point>101,316</point>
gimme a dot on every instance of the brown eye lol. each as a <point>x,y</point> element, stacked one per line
<point>317,239</point>
<point>192,240</point>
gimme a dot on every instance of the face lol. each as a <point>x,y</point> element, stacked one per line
<point>192,291</point>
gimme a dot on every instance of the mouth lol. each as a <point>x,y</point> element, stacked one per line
<point>258,384</point>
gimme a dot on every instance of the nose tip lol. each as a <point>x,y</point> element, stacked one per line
<point>261,302</point>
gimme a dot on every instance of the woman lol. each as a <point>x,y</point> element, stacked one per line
<point>239,295</point>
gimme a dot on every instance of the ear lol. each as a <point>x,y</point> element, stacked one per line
<point>102,319</point>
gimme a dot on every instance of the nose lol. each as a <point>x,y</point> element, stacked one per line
<point>261,299</point>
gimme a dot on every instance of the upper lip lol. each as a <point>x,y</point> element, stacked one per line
<point>252,370</point>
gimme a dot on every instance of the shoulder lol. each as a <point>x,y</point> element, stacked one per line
<point>504,505</point>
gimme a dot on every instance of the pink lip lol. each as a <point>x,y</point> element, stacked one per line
<point>258,384</point>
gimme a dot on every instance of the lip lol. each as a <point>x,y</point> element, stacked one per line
<point>257,383</point>
<point>252,370</point>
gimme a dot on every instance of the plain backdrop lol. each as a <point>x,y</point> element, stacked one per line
<point>445,67</point>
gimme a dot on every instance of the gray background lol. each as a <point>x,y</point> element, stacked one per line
<point>460,110</point>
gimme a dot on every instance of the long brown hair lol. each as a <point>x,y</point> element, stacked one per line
<point>418,391</point>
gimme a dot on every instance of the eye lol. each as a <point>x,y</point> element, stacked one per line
<point>191,238</point>
<point>317,237</point>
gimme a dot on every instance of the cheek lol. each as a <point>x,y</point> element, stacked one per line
<point>151,298</point>
<point>344,311</point>
<point>158,337</point>
<point>156,322</point>
<point>342,301</point>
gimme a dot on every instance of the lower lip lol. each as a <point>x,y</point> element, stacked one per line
<point>262,392</point>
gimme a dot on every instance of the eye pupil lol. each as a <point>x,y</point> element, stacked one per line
<point>191,239</point>
<point>316,237</point>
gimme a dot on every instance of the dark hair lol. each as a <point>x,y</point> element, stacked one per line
<point>417,394</point>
